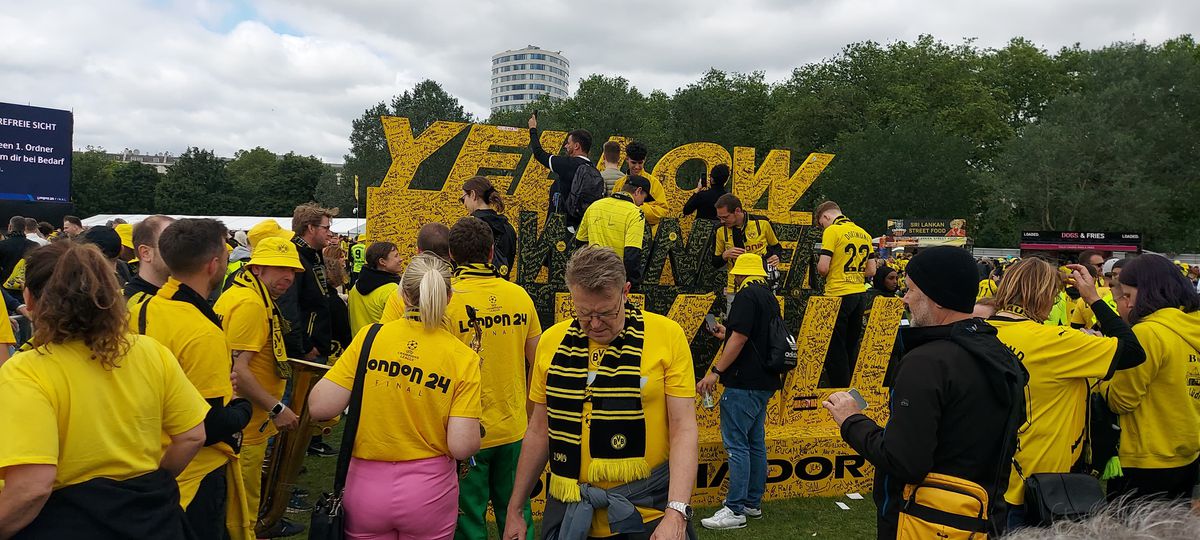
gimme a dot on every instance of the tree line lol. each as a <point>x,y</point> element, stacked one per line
<point>1011,138</point>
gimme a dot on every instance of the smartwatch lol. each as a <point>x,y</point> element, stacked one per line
<point>278,408</point>
<point>682,508</point>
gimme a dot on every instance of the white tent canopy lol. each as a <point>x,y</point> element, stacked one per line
<point>346,226</point>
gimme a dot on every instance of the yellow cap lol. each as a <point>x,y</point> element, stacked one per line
<point>748,264</point>
<point>125,231</point>
<point>275,251</point>
<point>267,228</point>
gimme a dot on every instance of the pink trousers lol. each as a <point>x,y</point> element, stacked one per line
<point>401,500</point>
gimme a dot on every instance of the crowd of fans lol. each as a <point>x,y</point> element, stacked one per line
<point>165,401</point>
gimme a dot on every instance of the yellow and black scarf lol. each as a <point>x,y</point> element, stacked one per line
<point>751,279</point>
<point>278,324</point>
<point>475,270</point>
<point>618,423</point>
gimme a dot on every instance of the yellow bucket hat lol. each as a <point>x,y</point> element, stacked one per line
<point>748,264</point>
<point>275,251</point>
<point>267,228</point>
<point>125,231</point>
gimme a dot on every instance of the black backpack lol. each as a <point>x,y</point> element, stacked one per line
<point>782,353</point>
<point>586,188</point>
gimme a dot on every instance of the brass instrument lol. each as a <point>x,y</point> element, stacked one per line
<point>287,454</point>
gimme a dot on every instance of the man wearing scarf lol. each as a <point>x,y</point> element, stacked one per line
<point>748,387</point>
<point>255,330</point>
<point>497,318</point>
<point>614,414</point>
<point>179,316</point>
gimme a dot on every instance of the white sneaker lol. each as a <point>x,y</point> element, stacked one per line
<point>752,513</point>
<point>724,519</point>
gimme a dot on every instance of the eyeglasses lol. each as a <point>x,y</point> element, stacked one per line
<point>604,317</point>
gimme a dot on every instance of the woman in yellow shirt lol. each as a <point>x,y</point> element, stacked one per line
<point>1159,401</point>
<point>1060,360</point>
<point>420,412</point>
<point>85,410</point>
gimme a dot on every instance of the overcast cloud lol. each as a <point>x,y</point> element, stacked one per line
<point>292,74</point>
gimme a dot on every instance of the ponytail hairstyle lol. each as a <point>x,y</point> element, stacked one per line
<point>482,187</point>
<point>78,299</point>
<point>426,284</point>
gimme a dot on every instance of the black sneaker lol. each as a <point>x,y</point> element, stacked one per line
<point>283,528</point>
<point>321,449</point>
<point>299,503</point>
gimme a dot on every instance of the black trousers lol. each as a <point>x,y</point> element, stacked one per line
<point>1173,484</point>
<point>206,513</point>
<point>843,343</point>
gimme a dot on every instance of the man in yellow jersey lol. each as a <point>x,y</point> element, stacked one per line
<point>617,222</point>
<point>378,280</point>
<point>614,413</point>
<point>655,207</point>
<point>179,317</point>
<point>742,233</point>
<point>152,271</point>
<point>254,328</point>
<point>433,237</point>
<point>846,261</point>
<point>508,336</point>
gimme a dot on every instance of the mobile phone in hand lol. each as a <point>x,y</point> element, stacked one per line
<point>710,322</point>
<point>862,403</point>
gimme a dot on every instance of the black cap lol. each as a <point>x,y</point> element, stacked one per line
<point>947,275</point>
<point>105,238</point>
<point>640,181</point>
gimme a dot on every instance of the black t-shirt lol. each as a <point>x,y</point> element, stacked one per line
<point>704,203</point>
<point>750,315</point>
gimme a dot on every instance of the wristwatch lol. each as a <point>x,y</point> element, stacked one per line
<point>278,408</point>
<point>715,370</point>
<point>682,508</point>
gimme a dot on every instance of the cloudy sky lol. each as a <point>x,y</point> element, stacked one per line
<point>291,75</point>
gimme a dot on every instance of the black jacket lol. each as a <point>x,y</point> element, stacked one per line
<point>505,239</point>
<point>563,168</point>
<point>306,306</point>
<point>12,249</point>
<point>704,203</point>
<point>145,506</point>
<point>956,404</point>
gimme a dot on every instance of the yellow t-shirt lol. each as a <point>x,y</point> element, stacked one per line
<point>849,247</point>
<point>654,210</point>
<point>248,328</point>
<point>62,408</point>
<point>508,319</point>
<point>200,347</point>
<point>666,371</point>
<point>7,338</point>
<point>1059,360</point>
<point>1082,314</point>
<point>614,222</point>
<point>759,236</point>
<point>366,309</point>
<point>393,310</point>
<point>416,380</point>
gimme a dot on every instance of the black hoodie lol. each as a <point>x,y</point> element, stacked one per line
<point>370,279</point>
<point>505,239</point>
<point>956,404</point>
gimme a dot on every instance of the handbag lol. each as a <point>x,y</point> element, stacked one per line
<point>944,507</point>
<point>328,520</point>
<point>1053,497</point>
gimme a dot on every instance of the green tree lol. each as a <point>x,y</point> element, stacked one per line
<point>197,184</point>
<point>335,190</point>
<point>100,185</point>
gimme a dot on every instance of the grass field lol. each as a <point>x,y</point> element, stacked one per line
<point>793,518</point>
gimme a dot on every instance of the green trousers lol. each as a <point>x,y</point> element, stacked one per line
<point>491,479</point>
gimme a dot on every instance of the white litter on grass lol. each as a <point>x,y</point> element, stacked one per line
<point>854,496</point>
<point>842,505</point>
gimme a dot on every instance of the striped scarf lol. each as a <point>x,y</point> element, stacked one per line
<point>246,278</point>
<point>475,270</point>
<point>618,424</point>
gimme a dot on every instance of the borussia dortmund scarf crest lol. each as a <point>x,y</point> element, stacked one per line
<point>246,278</point>
<point>618,423</point>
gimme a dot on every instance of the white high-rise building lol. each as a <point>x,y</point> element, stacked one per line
<point>520,77</point>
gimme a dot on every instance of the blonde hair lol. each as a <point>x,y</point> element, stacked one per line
<point>1031,284</point>
<point>426,284</point>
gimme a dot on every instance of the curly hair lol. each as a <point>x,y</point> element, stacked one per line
<point>335,266</point>
<point>77,299</point>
